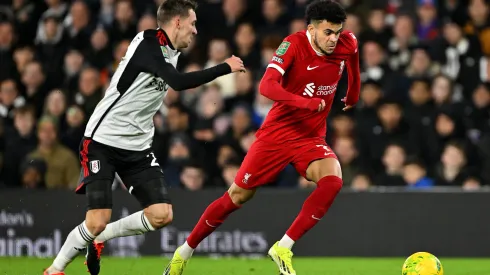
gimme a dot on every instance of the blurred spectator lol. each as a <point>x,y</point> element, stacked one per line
<point>428,26</point>
<point>22,57</point>
<point>20,140</point>
<point>478,111</point>
<point>75,128</point>
<point>178,154</point>
<point>452,169</point>
<point>399,45</point>
<point>36,86</point>
<point>124,26</point>
<point>193,177</point>
<point>344,148</point>
<point>77,25</point>
<point>89,90</point>
<point>376,29</point>
<point>230,169</point>
<point>374,64</point>
<point>370,95</point>
<point>33,174</point>
<point>391,127</point>
<point>247,46</point>
<point>353,24</point>
<point>218,51</point>
<point>297,25</point>
<point>274,18</point>
<point>55,107</point>
<point>51,48</point>
<point>460,57</point>
<point>73,63</point>
<point>99,53</point>
<point>361,182</point>
<point>415,175</point>
<point>479,23</point>
<point>7,67</point>
<point>420,108</point>
<point>25,13</point>
<point>10,99</point>
<point>147,22</point>
<point>63,166</point>
<point>447,127</point>
<point>471,184</point>
<point>393,161</point>
<point>245,92</point>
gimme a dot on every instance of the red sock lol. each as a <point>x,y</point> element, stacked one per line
<point>212,218</point>
<point>315,206</point>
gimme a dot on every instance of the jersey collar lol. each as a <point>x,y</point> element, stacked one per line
<point>169,43</point>
<point>309,40</point>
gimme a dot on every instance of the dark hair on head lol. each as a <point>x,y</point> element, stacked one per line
<point>25,110</point>
<point>171,8</point>
<point>413,160</point>
<point>422,80</point>
<point>328,10</point>
<point>458,144</point>
<point>180,107</point>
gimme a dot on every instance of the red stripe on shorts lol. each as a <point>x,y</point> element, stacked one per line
<point>84,153</point>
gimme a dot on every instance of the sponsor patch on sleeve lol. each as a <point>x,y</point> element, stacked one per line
<point>283,48</point>
<point>277,59</point>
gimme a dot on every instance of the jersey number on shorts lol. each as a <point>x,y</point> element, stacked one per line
<point>154,160</point>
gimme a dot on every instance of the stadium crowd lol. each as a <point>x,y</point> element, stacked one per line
<point>423,119</point>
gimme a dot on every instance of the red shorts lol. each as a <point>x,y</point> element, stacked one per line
<point>265,160</point>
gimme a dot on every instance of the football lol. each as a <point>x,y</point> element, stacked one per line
<point>422,263</point>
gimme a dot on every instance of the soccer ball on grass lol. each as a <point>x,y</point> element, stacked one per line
<point>422,263</point>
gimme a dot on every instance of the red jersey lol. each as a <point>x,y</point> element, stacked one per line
<point>307,74</point>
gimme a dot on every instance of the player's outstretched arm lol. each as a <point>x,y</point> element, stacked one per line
<point>182,81</point>
<point>151,59</point>
<point>271,88</point>
<point>354,89</point>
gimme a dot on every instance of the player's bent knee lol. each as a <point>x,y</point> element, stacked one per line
<point>97,220</point>
<point>322,168</point>
<point>240,195</point>
<point>159,215</point>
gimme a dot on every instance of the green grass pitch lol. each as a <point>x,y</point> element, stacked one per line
<point>205,266</point>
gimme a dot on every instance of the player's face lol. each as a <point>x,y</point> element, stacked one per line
<point>325,35</point>
<point>186,30</point>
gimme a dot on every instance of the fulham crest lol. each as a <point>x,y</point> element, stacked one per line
<point>95,166</point>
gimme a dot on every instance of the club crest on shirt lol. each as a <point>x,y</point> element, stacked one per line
<point>342,65</point>
<point>283,48</point>
<point>95,166</point>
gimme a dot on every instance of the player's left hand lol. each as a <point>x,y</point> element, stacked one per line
<point>347,107</point>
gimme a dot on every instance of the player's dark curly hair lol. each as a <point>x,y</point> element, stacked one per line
<point>328,10</point>
<point>171,8</point>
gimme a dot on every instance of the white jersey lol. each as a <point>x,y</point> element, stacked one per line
<point>124,117</point>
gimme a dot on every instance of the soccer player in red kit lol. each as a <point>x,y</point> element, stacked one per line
<point>302,79</point>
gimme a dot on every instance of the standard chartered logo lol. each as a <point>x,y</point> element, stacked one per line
<point>309,89</point>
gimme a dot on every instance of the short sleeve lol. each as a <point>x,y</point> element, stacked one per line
<point>284,56</point>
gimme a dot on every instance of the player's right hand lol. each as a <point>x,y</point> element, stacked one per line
<point>236,64</point>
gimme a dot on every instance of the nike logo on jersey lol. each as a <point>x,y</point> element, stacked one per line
<point>311,68</point>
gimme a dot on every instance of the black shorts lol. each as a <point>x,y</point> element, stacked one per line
<point>139,171</point>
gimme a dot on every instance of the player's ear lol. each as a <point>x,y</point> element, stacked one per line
<point>310,28</point>
<point>177,22</point>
